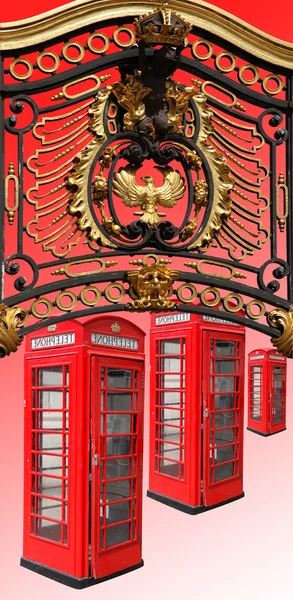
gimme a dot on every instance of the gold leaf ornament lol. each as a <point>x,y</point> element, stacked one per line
<point>283,321</point>
<point>10,319</point>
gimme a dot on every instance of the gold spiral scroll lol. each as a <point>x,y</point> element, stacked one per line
<point>10,318</point>
<point>283,321</point>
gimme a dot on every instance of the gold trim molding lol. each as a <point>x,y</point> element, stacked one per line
<point>10,319</point>
<point>283,321</point>
<point>62,20</point>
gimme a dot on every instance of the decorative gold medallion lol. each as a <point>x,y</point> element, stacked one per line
<point>150,286</point>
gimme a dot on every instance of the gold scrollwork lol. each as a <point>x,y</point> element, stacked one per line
<point>11,210</point>
<point>151,286</point>
<point>282,217</point>
<point>283,321</point>
<point>228,55</point>
<point>199,268</point>
<point>54,57</point>
<point>35,311</point>
<point>21,61</point>
<point>66,94</point>
<point>11,317</point>
<point>277,80</point>
<point>207,45</point>
<point>232,104</point>
<point>244,79</point>
<point>121,44</point>
<point>72,59</point>
<point>101,36</point>
<point>102,266</point>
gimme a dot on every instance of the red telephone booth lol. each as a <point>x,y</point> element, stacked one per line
<point>267,370</point>
<point>197,387</point>
<point>83,450</point>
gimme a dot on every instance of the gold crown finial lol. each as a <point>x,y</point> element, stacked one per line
<point>162,26</point>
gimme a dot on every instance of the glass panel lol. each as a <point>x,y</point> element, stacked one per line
<point>170,365</point>
<point>169,450</point>
<point>50,464</point>
<point>119,378</point>
<point>115,490</point>
<point>169,468</point>
<point>171,381</point>
<point>50,442</point>
<point>170,416</point>
<point>117,535</point>
<point>48,530</point>
<point>118,401</point>
<point>51,376</point>
<point>48,486</point>
<point>50,399</point>
<point>118,468</point>
<point>224,472</point>
<point>170,346</point>
<point>117,512</point>
<point>50,508</point>
<point>226,366</point>
<point>118,446</point>
<point>224,419</point>
<point>223,454</point>
<point>171,434</point>
<point>50,420</point>
<point>224,436</point>
<point>225,348</point>
<point>170,398</point>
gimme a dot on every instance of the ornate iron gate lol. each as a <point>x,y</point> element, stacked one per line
<point>161,142</point>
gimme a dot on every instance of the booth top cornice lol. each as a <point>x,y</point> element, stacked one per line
<point>66,19</point>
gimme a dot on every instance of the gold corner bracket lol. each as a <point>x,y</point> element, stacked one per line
<point>11,317</point>
<point>283,321</point>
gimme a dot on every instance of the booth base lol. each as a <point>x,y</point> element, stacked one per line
<point>266,434</point>
<point>190,510</point>
<point>69,580</point>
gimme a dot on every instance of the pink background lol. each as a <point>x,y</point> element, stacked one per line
<point>239,551</point>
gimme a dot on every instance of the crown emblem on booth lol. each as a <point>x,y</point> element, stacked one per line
<point>162,26</point>
<point>115,327</point>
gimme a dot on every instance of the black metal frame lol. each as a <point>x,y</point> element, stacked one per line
<point>280,111</point>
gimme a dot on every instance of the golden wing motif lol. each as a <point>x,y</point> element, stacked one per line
<point>125,186</point>
<point>65,141</point>
<point>173,188</point>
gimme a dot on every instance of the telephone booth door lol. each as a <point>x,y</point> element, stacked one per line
<point>117,446</point>
<point>222,416</point>
<point>277,396</point>
<point>258,394</point>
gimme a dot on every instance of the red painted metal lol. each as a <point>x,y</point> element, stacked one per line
<point>267,371</point>
<point>181,360</point>
<point>62,436</point>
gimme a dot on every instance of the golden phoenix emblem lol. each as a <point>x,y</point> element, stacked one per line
<point>149,197</point>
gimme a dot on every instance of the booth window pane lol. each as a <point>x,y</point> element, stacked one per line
<point>224,410</point>
<point>50,423</point>
<point>255,393</point>
<point>278,394</point>
<point>169,441</point>
<point>120,441</point>
<point>48,530</point>
<point>50,376</point>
